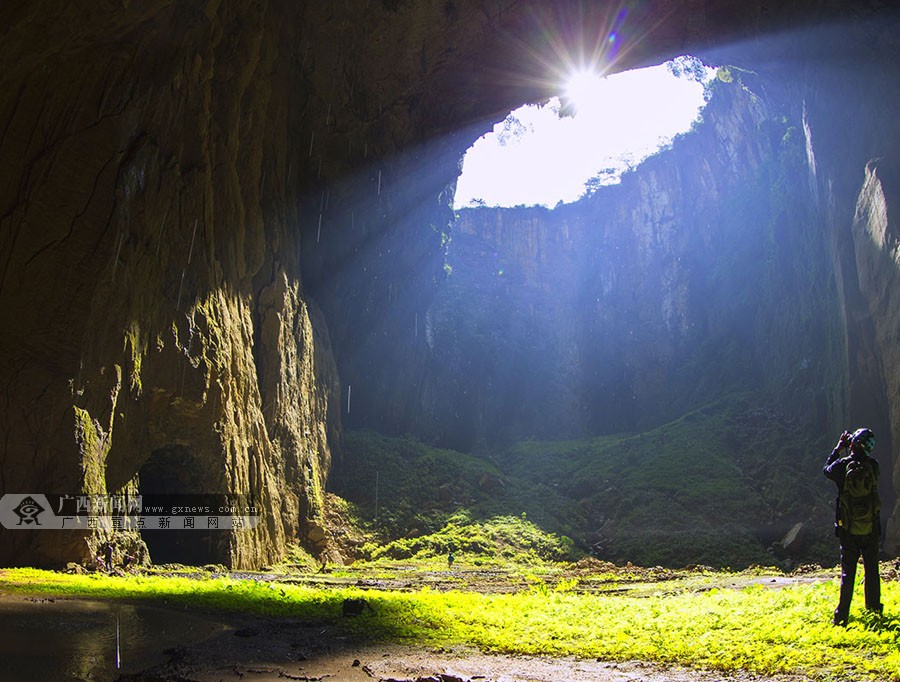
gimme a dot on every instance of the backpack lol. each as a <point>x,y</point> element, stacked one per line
<point>858,502</point>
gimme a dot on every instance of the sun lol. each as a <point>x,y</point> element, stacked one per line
<point>582,89</point>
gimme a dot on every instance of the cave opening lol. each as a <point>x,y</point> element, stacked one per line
<point>599,127</point>
<point>587,317</point>
<point>173,476</point>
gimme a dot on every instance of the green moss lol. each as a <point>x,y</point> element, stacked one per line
<point>504,538</point>
<point>93,445</point>
<point>717,486</point>
<point>402,485</point>
<point>136,349</point>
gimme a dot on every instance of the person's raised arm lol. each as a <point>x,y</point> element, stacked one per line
<point>843,444</point>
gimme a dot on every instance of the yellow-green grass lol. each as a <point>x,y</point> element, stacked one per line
<point>757,628</point>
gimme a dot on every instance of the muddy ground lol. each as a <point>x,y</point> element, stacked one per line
<point>269,649</point>
<point>274,650</point>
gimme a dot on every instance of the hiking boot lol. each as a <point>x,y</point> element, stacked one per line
<point>839,619</point>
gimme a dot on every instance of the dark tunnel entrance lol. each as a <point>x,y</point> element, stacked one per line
<point>174,476</point>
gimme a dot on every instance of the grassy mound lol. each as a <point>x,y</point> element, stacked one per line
<point>720,486</point>
<point>503,538</point>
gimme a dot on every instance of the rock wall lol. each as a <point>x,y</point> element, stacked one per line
<point>876,240</point>
<point>151,295</point>
<point>853,146</point>
<point>647,298</point>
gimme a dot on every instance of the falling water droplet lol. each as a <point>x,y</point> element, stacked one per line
<point>191,249</point>
<point>118,650</point>
<point>162,225</point>
<point>178,301</point>
<point>116,259</point>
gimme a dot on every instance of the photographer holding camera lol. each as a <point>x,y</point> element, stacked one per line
<point>857,521</point>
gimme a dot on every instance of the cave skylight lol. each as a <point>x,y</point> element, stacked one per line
<point>558,151</point>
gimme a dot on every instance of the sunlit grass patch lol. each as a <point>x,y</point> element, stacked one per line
<point>226,594</point>
<point>501,540</point>
<point>757,628</point>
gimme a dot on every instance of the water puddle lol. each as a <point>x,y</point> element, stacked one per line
<point>91,641</point>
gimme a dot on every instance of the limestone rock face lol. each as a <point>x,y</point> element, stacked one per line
<point>644,299</point>
<point>878,264</point>
<point>185,185</point>
<point>154,316</point>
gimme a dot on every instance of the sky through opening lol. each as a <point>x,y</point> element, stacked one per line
<point>537,157</point>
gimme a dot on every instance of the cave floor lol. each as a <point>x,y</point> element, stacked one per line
<point>277,649</point>
<point>266,649</point>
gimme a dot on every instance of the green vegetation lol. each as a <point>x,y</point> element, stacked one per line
<point>404,487</point>
<point>718,486</point>
<point>505,538</point>
<point>714,487</point>
<point>747,627</point>
<point>194,589</point>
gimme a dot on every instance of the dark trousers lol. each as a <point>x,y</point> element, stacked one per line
<point>852,546</point>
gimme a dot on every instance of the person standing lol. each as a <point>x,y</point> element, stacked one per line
<point>857,521</point>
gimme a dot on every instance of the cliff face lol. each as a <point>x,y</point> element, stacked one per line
<point>647,298</point>
<point>154,318</point>
<point>185,186</point>
<point>877,252</point>
<point>853,150</point>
